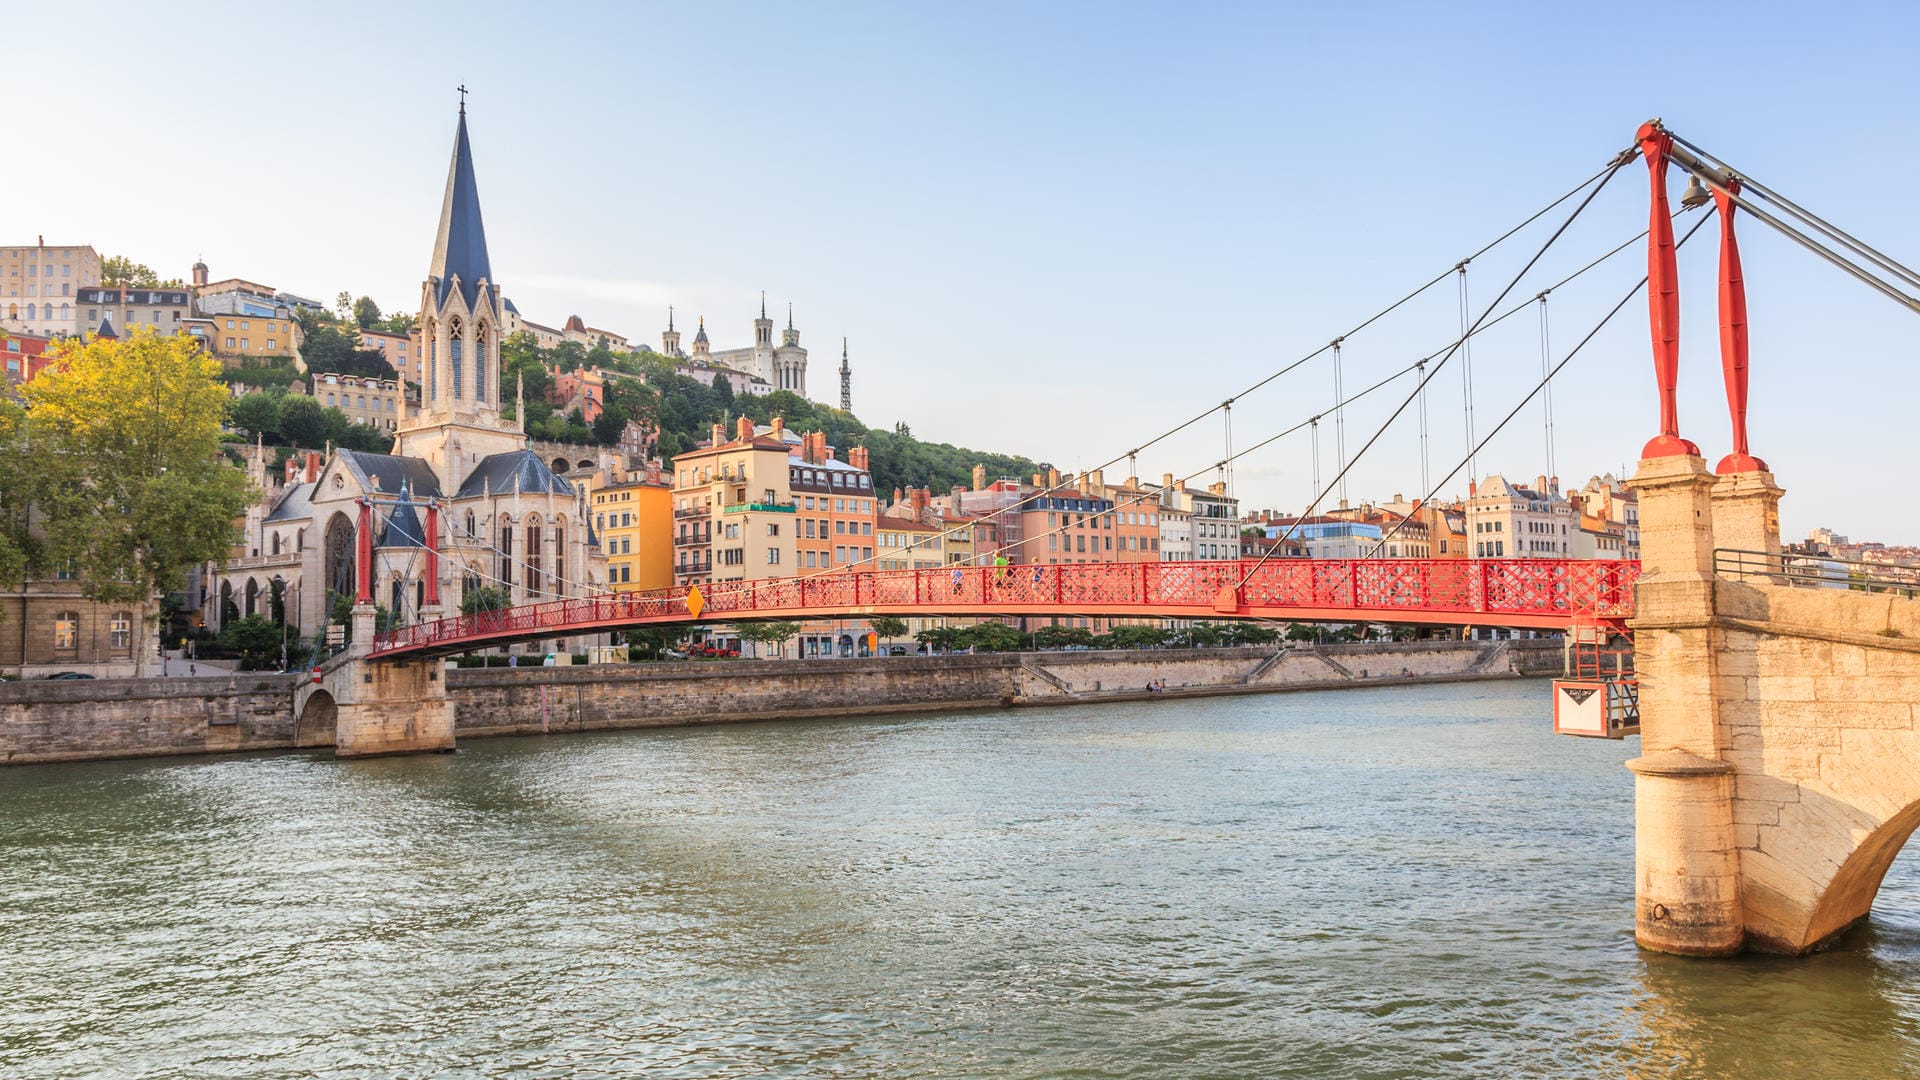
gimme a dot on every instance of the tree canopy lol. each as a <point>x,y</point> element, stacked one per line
<point>125,470</point>
<point>118,270</point>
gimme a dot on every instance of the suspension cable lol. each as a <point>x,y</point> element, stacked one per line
<point>1339,419</point>
<point>1541,386</point>
<point>1748,184</point>
<point>1546,358</point>
<point>1466,356</point>
<point>1612,171</point>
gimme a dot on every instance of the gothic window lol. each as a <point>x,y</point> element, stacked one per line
<point>480,364</point>
<point>339,557</point>
<point>506,553</point>
<point>454,343</point>
<point>533,557</point>
<point>274,544</point>
<point>560,557</point>
<point>470,533</point>
<point>431,337</point>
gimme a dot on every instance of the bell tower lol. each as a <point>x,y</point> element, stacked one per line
<point>458,421</point>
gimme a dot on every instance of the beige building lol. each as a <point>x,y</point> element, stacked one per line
<point>365,400</point>
<point>1507,521</point>
<point>733,509</point>
<point>39,287</point>
<point>401,351</point>
<point>164,311</point>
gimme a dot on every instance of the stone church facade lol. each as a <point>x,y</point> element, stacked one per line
<point>505,519</point>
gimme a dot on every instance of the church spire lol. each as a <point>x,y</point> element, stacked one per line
<point>460,246</point>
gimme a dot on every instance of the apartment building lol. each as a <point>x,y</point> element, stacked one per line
<point>39,286</point>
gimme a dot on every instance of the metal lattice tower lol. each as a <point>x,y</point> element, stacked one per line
<point>846,380</point>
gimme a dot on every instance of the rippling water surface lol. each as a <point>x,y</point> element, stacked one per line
<point>1363,883</point>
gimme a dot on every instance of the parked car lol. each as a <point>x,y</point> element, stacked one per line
<point>69,675</point>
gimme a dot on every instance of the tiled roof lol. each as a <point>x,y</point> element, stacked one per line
<point>520,470</point>
<point>389,474</point>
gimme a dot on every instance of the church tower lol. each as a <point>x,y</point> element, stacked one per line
<point>790,360</point>
<point>670,339</point>
<point>459,421</point>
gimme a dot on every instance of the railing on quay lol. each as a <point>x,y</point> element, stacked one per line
<point>1539,592</point>
<point>1816,571</point>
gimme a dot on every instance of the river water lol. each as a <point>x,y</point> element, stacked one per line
<point>1359,883</point>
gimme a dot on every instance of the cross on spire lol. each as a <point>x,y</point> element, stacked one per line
<point>463,98</point>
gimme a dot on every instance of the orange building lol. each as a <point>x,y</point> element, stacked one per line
<point>633,519</point>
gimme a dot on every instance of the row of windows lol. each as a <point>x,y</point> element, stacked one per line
<point>66,631</point>
<point>350,401</point>
<point>34,290</point>
<point>895,539</point>
<point>841,527</point>
<point>33,269</point>
<point>826,478</point>
<point>272,327</point>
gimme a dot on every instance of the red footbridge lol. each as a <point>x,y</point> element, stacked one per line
<point>1533,594</point>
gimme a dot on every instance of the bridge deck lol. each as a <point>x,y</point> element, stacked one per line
<point>1541,594</point>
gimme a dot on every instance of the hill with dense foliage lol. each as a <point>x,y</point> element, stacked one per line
<point>685,410</point>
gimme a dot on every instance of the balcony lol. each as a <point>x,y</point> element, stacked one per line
<point>693,512</point>
<point>699,539</point>
<point>690,569</point>
<point>772,508</point>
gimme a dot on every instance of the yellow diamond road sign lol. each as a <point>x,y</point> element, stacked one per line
<point>695,602</point>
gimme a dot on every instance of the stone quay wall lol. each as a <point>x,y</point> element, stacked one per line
<point>62,720</point>
<point>43,721</point>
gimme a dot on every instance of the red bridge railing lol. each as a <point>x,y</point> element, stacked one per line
<point>1538,593</point>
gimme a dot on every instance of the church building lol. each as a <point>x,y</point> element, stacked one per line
<point>780,367</point>
<point>505,519</point>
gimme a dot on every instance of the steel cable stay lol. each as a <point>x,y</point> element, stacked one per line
<point>1374,439</point>
<point>1751,186</point>
<point>1466,355</point>
<point>1546,358</point>
<point>1604,174</point>
<point>1540,387</point>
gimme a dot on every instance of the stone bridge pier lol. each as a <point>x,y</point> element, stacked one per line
<point>1780,766</point>
<point>364,708</point>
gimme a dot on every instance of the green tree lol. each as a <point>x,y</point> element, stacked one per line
<point>940,638</point>
<point>303,421</point>
<point>258,413</point>
<point>484,598</point>
<point>256,638</point>
<point>776,634</point>
<point>343,304</point>
<point>653,640</point>
<point>888,627</point>
<point>128,476</point>
<point>1061,637</point>
<point>1136,637</point>
<point>120,270</point>
<point>366,313</point>
<point>17,542</point>
<point>992,637</point>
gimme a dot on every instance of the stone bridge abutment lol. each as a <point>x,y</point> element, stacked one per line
<point>1780,767</point>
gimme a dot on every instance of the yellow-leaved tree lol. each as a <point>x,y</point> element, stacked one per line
<point>128,485</point>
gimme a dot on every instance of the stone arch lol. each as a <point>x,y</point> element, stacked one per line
<point>559,466</point>
<point>339,558</point>
<point>226,604</point>
<point>319,721</point>
<point>252,598</point>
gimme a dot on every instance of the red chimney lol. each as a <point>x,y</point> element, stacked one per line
<point>313,466</point>
<point>719,434</point>
<point>745,429</point>
<point>856,457</point>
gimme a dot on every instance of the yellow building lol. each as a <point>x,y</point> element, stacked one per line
<point>633,517</point>
<point>733,510</point>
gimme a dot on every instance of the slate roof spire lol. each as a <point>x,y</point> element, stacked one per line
<point>460,246</point>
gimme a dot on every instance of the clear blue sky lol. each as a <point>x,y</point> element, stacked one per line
<point>1049,229</point>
